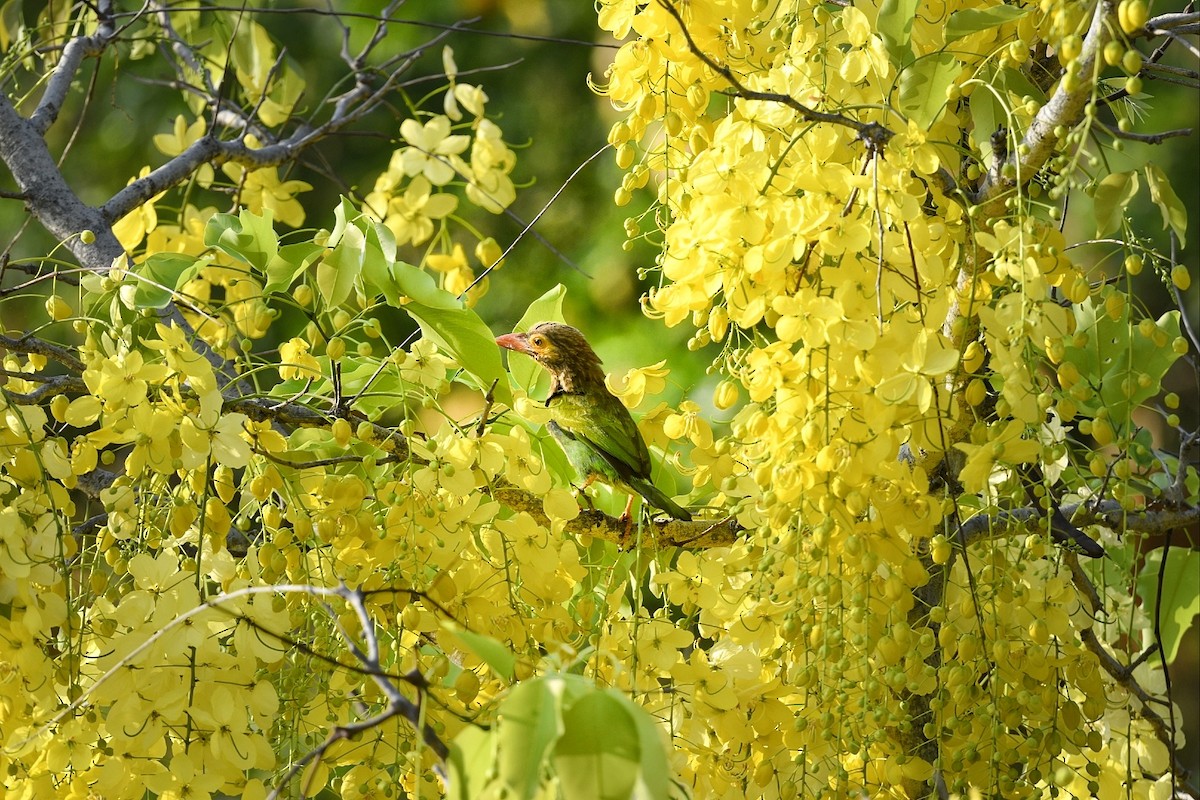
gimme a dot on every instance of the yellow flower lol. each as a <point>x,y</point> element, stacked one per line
<point>262,189</point>
<point>410,216</point>
<point>296,362</point>
<point>639,382</point>
<point>490,188</point>
<point>123,380</point>
<point>182,137</point>
<point>1006,446</point>
<point>434,150</point>
<point>155,443</point>
<point>659,642</point>
<point>132,228</point>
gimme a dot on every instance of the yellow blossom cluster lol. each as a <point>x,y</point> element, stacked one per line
<point>889,341</point>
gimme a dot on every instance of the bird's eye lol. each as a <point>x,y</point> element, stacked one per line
<point>537,341</point>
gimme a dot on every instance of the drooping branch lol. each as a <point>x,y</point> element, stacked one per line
<point>398,705</point>
<point>874,135</point>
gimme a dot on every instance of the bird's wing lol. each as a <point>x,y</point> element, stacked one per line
<point>604,423</point>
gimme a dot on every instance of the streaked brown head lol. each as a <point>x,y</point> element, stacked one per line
<point>563,351</point>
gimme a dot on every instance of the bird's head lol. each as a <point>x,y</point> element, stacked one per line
<point>562,350</point>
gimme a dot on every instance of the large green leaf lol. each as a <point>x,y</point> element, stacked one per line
<point>1017,83</point>
<point>1109,199</point>
<point>894,24</point>
<point>923,85</point>
<point>972,20</point>
<point>502,661</point>
<point>472,754</point>
<point>379,255</point>
<point>1123,365</point>
<point>610,749</point>
<point>159,276</point>
<point>290,261</point>
<point>529,724</point>
<point>456,329</point>
<point>248,237</point>
<point>340,268</point>
<point>598,755</point>
<point>987,116</point>
<point>1179,604</point>
<point>654,777</point>
<point>384,392</point>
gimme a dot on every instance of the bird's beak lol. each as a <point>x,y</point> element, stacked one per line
<point>518,342</point>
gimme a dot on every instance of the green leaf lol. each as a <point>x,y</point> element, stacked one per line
<point>1125,367</point>
<point>11,23</point>
<point>248,237</point>
<point>1176,610</point>
<point>655,777</point>
<point>598,756</point>
<point>159,276</point>
<point>1018,84</point>
<point>342,215</point>
<point>457,330</point>
<point>502,661</point>
<point>610,749</point>
<point>1110,198</point>
<point>987,116</point>
<point>340,268</point>
<point>551,454</point>
<point>529,725</point>
<point>922,89</point>
<point>472,754</point>
<point>419,286</point>
<point>1163,195</point>
<point>385,392</point>
<point>290,261</point>
<point>547,308</point>
<point>378,257</point>
<point>894,24</point>
<point>972,20</point>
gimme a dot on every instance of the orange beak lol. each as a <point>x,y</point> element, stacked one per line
<point>518,342</point>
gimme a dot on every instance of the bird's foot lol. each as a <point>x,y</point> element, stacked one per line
<point>626,520</point>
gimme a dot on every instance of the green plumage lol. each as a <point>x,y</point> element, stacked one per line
<point>592,425</point>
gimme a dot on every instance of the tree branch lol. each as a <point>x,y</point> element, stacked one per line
<point>34,346</point>
<point>1064,108</point>
<point>1123,675</point>
<point>694,535</point>
<point>874,135</point>
<point>348,108</point>
<point>1107,513</point>
<point>68,65</point>
<point>48,197</point>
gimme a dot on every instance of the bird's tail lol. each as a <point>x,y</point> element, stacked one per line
<point>655,497</point>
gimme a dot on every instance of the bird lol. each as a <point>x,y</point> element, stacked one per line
<point>589,422</point>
